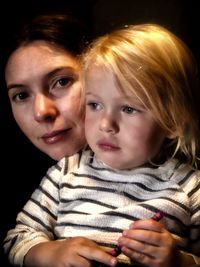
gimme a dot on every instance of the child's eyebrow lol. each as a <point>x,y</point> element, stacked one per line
<point>133,98</point>
<point>90,94</point>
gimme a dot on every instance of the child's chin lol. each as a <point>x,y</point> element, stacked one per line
<point>112,165</point>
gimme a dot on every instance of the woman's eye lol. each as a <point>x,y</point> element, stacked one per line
<point>64,82</point>
<point>129,110</point>
<point>19,97</point>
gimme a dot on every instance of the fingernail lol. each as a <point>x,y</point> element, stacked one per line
<point>113,261</point>
<point>124,233</point>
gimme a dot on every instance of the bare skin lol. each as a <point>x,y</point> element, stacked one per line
<point>149,243</point>
<point>74,252</point>
<point>44,86</point>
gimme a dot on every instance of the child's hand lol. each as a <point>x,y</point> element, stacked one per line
<point>76,252</point>
<point>149,243</point>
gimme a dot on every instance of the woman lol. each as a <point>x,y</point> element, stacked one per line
<point>42,76</point>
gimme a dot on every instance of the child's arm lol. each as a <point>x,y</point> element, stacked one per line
<point>36,221</point>
<point>32,242</point>
<point>149,243</point>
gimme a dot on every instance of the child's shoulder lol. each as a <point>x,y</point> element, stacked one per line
<point>176,170</point>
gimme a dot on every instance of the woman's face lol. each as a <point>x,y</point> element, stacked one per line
<point>43,84</point>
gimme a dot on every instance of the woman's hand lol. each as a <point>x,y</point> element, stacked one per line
<point>73,252</point>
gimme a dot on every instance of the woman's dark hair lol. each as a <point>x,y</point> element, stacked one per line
<point>58,29</point>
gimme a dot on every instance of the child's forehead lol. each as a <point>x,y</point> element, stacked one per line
<point>106,76</point>
<point>129,87</point>
<point>99,73</point>
<point>98,68</point>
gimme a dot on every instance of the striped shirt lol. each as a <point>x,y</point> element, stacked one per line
<point>82,197</point>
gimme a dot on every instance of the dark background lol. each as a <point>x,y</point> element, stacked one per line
<point>22,165</point>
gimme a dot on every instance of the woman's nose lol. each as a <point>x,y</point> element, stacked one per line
<point>44,108</point>
<point>109,125</point>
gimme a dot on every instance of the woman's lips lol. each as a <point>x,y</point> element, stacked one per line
<point>55,136</point>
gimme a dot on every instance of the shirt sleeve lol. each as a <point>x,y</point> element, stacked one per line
<point>35,223</point>
<point>192,188</point>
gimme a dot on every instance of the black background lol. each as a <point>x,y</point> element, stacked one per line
<point>22,165</point>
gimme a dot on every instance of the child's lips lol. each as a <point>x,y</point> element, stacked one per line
<point>107,146</point>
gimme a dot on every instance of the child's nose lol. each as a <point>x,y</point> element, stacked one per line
<point>109,125</point>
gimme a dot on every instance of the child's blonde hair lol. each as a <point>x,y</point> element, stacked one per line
<point>159,69</point>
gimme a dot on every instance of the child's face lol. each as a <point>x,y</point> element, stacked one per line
<point>118,128</point>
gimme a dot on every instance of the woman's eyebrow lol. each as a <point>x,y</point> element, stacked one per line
<point>70,70</point>
<point>61,68</point>
<point>14,85</point>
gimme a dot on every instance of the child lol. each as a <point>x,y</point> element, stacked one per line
<point>141,118</point>
<point>141,124</point>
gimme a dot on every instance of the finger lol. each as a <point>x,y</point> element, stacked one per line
<point>147,236</point>
<point>140,247</point>
<point>139,257</point>
<point>82,262</point>
<point>101,256</point>
<point>148,260</point>
<point>147,224</point>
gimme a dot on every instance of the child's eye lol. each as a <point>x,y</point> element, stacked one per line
<point>129,110</point>
<point>94,105</point>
